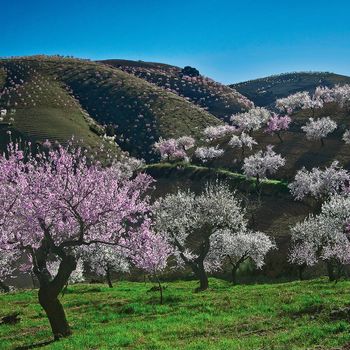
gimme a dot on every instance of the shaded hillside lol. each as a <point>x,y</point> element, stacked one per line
<point>50,95</point>
<point>218,99</point>
<point>264,91</point>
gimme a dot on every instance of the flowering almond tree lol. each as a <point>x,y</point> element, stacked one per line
<point>103,259</point>
<point>7,266</point>
<point>261,164</point>
<point>319,129</point>
<point>151,253</point>
<point>174,149</point>
<point>320,184</point>
<point>237,248</point>
<point>207,154</point>
<point>324,237</point>
<point>55,201</point>
<point>189,220</point>
<point>276,124</point>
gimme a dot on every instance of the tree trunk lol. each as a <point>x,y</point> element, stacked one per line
<point>279,137</point>
<point>160,290</point>
<point>322,142</point>
<point>108,277</point>
<point>330,270</point>
<point>301,269</point>
<point>4,287</point>
<point>55,313</point>
<point>203,278</point>
<point>234,274</point>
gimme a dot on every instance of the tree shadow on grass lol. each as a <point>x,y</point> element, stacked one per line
<point>35,345</point>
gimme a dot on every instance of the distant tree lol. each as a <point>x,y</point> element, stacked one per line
<point>252,120</point>
<point>262,164</point>
<point>207,154</point>
<point>276,124</point>
<point>105,259</point>
<point>213,133</point>
<point>174,149</point>
<point>151,253</point>
<point>319,129</point>
<point>190,71</point>
<point>242,141</point>
<point>8,260</point>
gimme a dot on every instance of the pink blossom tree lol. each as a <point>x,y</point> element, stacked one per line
<point>276,124</point>
<point>151,253</point>
<point>55,201</point>
<point>174,149</point>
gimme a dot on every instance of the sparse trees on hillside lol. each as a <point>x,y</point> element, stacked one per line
<point>319,129</point>
<point>55,201</point>
<point>188,222</point>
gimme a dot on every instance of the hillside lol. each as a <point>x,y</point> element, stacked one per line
<point>264,91</point>
<point>297,315</point>
<point>56,97</point>
<point>218,99</point>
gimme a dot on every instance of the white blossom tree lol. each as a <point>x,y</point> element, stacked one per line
<point>242,141</point>
<point>104,259</point>
<point>262,164</point>
<point>207,154</point>
<point>324,237</point>
<point>346,137</point>
<point>318,183</point>
<point>188,221</point>
<point>252,120</point>
<point>319,129</point>
<point>237,248</point>
<point>8,259</point>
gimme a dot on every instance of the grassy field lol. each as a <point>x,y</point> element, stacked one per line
<point>296,315</point>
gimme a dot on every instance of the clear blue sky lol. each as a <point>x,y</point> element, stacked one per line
<point>227,40</point>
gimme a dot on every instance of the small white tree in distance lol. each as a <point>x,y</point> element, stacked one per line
<point>346,137</point>
<point>262,164</point>
<point>104,259</point>
<point>319,129</point>
<point>252,120</point>
<point>7,267</point>
<point>242,141</point>
<point>237,248</point>
<point>206,154</point>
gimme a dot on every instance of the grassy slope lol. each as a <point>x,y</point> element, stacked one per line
<point>140,111</point>
<point>44,109</point>
<point>265,91</point>
<point>218,99</point>
<point>286,316</point>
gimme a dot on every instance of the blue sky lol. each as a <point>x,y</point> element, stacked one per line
<point>230,41</point>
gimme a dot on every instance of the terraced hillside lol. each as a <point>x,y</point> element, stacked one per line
<point>265,91</point>
<point>218,99</point>
<point>53,98</point>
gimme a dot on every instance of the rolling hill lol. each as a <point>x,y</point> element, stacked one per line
<point>218,99</point>
<point>54,97</point>
<point>264,91</point>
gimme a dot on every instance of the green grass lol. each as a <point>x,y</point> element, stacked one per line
<point>270,316</point>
